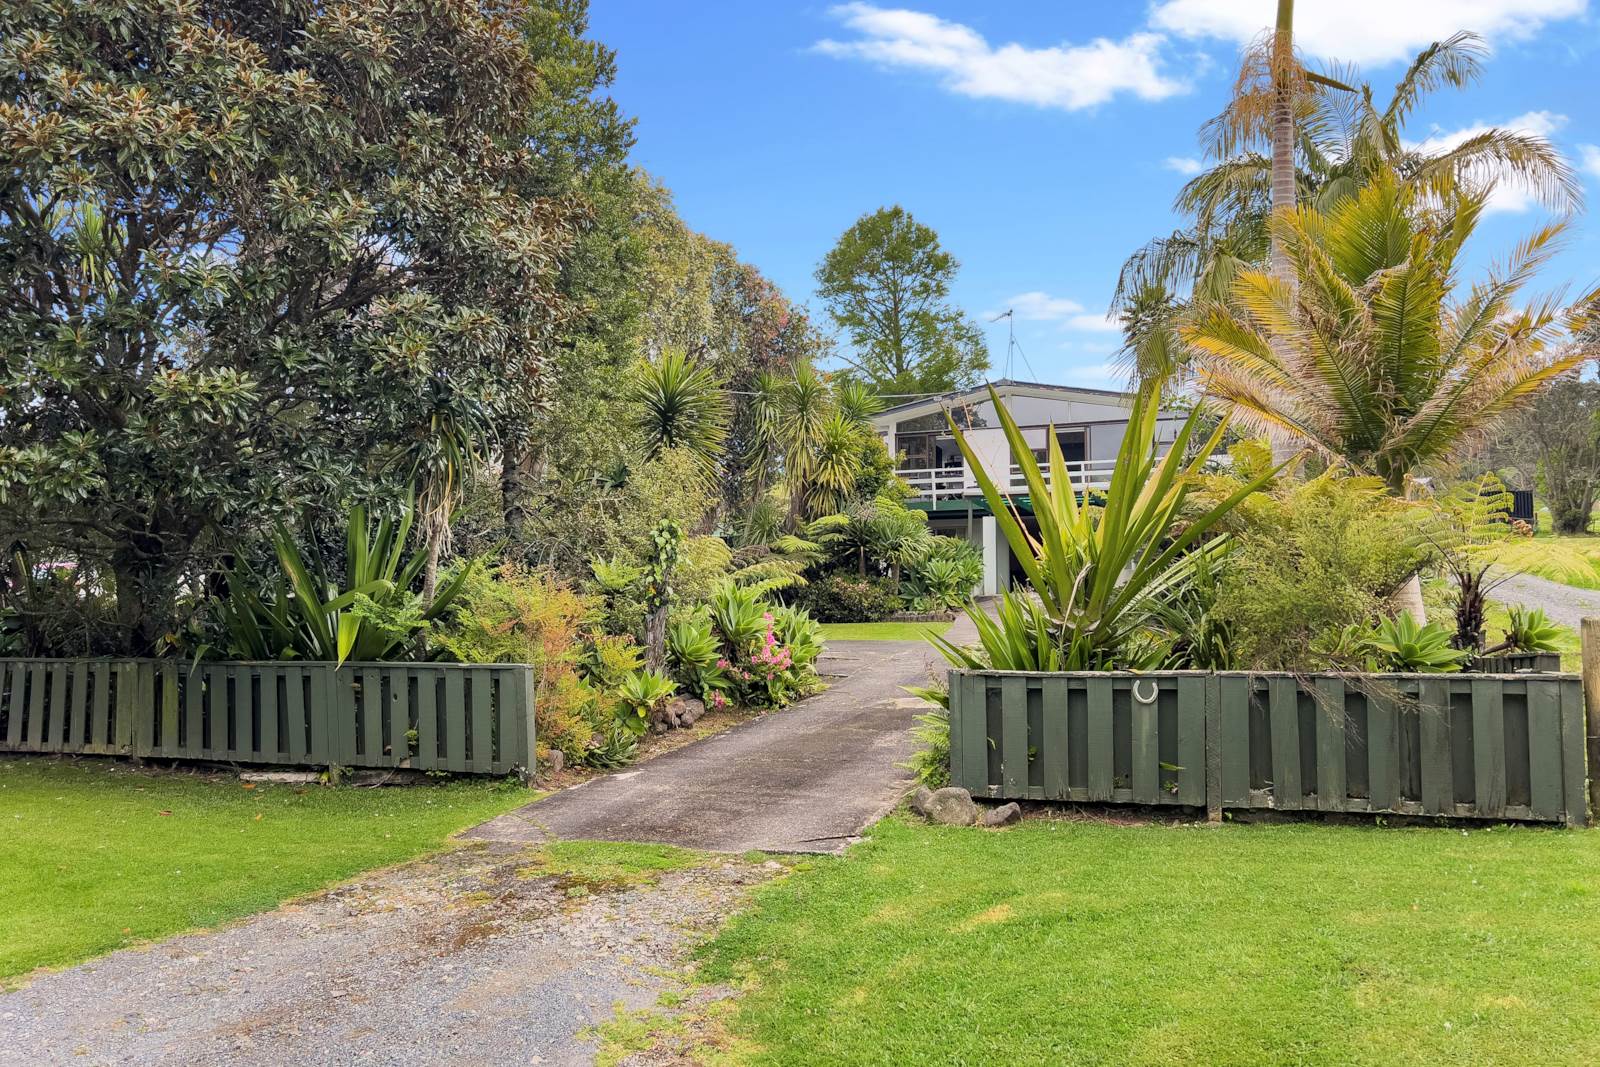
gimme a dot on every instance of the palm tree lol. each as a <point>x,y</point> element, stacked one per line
<point>1372,353</point>
<point>1343,140</point>
<point>681,405</point>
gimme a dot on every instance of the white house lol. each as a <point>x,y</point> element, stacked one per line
<point>1089,423</point>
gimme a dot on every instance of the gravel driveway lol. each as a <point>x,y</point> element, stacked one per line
<point>1564,604</point>
<point>459,959</point>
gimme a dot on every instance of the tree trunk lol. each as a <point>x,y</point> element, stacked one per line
<point>430,570</point>
<point>655,639</point>
<point>1283,176</point>
<point>516,486</point>
<point>1408,598</point>
<point>144,606</point>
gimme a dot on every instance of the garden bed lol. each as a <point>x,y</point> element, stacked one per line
<point>1461,745</point>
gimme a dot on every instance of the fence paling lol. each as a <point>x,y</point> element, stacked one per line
<point>462,718</point>
<point>1479,746</point>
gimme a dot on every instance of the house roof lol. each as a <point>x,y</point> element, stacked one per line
<point>1005,387</point>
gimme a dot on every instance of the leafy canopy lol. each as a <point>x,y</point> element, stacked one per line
<point>886,284</point>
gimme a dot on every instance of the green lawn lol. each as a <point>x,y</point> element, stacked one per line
<point>94,855</point>
<point>1066,942</point>
<point>881,631</point>
<point>1568,560</point>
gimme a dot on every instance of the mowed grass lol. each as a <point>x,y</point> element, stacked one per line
<point>1067,942</point>
<point>882,631</point>
<point>1571,561</point>
<point>95,855</point>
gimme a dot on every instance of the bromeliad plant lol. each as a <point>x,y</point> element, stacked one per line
<point>1100,572</point>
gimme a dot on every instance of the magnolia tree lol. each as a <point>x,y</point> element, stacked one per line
<point>255,256</point>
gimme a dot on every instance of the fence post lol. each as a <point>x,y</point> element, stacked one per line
<point>1591,704</point>
<point>1213,688</point>
<point>529,757</point>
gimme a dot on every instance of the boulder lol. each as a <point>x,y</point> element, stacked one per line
<point>689,709</point>
<point>920,799</point>
<point>952,807</point>
<point>1004,815</point>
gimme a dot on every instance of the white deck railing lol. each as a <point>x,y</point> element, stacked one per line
<point>954,483</point>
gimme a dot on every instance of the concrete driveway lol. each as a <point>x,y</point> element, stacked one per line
<point>805,779</point>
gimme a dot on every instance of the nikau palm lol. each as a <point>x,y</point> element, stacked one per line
<point>1370,352</point>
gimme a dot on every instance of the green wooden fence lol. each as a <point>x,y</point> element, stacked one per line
<point>444,717</point>
<point>1465,745</point>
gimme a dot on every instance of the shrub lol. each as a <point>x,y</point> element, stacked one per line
<point>693,653</point>
<point>847,598</point>
<point>931,762</point>
<point>642,694</point>
<point>1399,644</point>
<point>1310,560</point>
<point>514,615</point>
<point>943,575</point>
<point>766,652</point>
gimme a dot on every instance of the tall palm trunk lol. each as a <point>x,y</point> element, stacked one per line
<point>1283,86</point>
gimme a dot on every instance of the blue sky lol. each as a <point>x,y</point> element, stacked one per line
<point>1044,141</point>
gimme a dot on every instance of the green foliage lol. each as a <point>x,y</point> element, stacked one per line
<point>1402,644</point>
<point>1373,351</point>
<point>841,597</point>
<point>1309,560</point>
<point>1556,440</point>
<point>942,575</point>
<point>736,613</point>
<point>1530,631</point>
<point>608,659</point>
<point>363,609</point>
<point>696,659</point>
<point>931,762</point>
<point>514,615</point>
<point>1100,573</point>
<point>643,693</point>
<point>268,250</point>
<point>678,404</point>
<point>1467,519</point>
<point>886,284</point>
<point>1020,637</point>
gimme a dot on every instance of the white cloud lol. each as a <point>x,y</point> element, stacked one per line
<point>1183,164</point>
<point>1365,31</point>
<point>1589,159</point>
<point>1507,198</point>
<point>1094,324</point>
<point>1067,76</point>
<point>1038,306</point>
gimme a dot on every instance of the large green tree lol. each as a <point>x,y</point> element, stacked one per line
<point>245,249</point>
<point>886,284</point>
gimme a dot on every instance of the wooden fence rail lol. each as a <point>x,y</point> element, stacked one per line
<point>1465,745</point>
<point>446,717</point>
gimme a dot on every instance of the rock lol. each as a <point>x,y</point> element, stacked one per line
<point>556,760</point>
<point>1004,815</point>
<point>920,799</point>
<point>281,777</point>
<point>952,807</point>
<point>682,711</point>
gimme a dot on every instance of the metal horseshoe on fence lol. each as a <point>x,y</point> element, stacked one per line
<point>1154,691</point>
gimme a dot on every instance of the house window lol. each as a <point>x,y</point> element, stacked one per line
<point>1074,442</point>
<point>927,451</point>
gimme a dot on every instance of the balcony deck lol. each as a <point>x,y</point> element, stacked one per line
<point>937,484</point>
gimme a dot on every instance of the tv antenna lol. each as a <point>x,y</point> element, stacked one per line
<point>1012,348</point>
